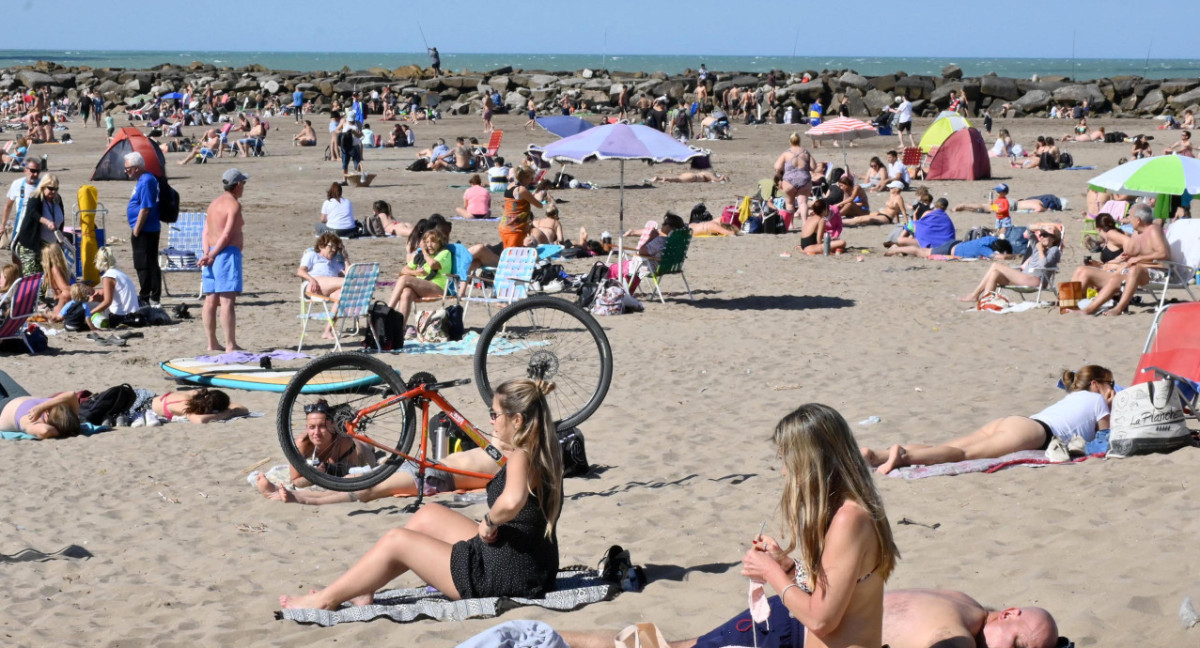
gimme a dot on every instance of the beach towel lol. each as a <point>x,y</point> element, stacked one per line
<point>517,634</point>
<point>85,429</point>
<point>243,357</point>
<point>280,475</point>
<point>576,587</point>
<point>33,555</point>
<point>1034,458</point>
<point>465,346</point>
<point>1019,307</point>
<point>1078,168</point>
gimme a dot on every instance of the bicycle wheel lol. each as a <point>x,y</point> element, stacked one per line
<point>346,384</point>
<point>547,338</point>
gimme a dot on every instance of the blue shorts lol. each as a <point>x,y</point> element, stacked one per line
<point>944,249</point>
<point>780,630</point>
<point>225,273</point>
<point>1004,223</point>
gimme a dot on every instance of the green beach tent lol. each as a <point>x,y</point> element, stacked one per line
<point>945,125</point>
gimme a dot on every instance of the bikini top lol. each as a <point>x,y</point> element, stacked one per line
<point>802,577</point>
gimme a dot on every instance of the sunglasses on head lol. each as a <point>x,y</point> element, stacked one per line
<point>317,408</point>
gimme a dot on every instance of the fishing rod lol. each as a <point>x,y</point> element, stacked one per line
<point>422,31</point>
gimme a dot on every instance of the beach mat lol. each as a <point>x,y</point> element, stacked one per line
<point>85,429</point>
<point>577,586</point>
<point>481,220</point>
<point>465,346</point>
<point>1033,458</point>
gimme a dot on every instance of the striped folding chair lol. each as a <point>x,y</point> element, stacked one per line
<point>514,273</point>
<point>355,301</point>
<point>21,303</point>
<point>185,246</point>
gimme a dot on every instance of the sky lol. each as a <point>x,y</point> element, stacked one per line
<point>925,28</point>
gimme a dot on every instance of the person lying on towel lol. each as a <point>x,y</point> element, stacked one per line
<point>1082,412</point>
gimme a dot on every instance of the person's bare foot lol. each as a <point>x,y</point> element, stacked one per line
<point>968,298</point>
<point>265,487</point>
<point>959,208</point>
<point>311,601</point>
<point>1112,312</point>
<point>365,599</point>
<point>232,348</point>
<point>215,347</point>
<point>897,458</point>
<point>872,457</point>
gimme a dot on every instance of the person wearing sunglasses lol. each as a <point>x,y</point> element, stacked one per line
<point>19,192</point>
<point>330,451</point>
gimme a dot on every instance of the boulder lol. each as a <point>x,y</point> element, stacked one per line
<point>1078,93</point>
<point>538,81</point>
<point>876,100</point>
<point>1182,101</point>
<point>586,73</point>
<point>271,86</point>
<point>460,108</point>
<point>915,87</point>
<point>1129,103</point>
<point>952,71</point>
<point>246,85</point>
<point>808,92</point>
<point>999,87</point>
<point>107,87</point>
<point>673,90</point>
<point>885,83</point>
<point>451,93</point>
<point>1142,88</point>
<point>720,87</point>
<point>1033,101</point>
<point>940,96</point>
<point>499,83</point>
<point>1179,86</point>
<point>746,81</point>
<point>343,88</point>
<point>34,79</point>
<point>1153,102</point>
<point>854,80</point>
<point>854,101</point>
<point>407,72</point>
<point>461,82</point>
<point>430,84</point>
<point>1123,84</point>
<point>507,69</point>
<point>596,97</point>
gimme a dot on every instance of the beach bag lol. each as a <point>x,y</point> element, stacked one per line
<point>388,324</point>
<point>992,301</point>
<point>610,300</point>
<point>1065,161</point>
<point>592,283</point>
<point>978,232</point>
<point>374,226</point>
<point>730,216</point>
<point>168,202</point>
<point>35,337</point>
<point>459,441</point>
<point>420,165</point>
<point>431,327</point>
<point>574,455</point>
<point>104,407</point>
<point>452,324</point>
<point>1147,418</point>
<point>700,214</point>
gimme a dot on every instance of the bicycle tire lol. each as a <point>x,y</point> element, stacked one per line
<point>366,380</point>
<point>567,346</point>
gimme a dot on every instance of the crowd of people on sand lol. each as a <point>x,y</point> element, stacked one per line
<point>834,518</point>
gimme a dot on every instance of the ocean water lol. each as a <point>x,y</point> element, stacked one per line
<point>867,65</point>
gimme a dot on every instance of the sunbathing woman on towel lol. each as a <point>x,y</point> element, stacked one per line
<point>44,418</point>
<point>402,483</point>
<point>1083,411</point>
<point>200,406</point>
<point>513,551</point>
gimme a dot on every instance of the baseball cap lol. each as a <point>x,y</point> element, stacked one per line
<point>232,177</point>
<point>1001,187</point>
<point>895,184</point>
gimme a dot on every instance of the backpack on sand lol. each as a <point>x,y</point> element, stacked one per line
<point>388,324</point>
<point>103,408</point>
<point>168,202</point>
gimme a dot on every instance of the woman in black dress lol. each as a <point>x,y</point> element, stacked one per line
<point>513,551</point>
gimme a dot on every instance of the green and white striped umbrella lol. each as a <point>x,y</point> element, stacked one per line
<point>1165,174</point>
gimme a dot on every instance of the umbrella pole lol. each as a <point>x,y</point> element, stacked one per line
<point>621,265</point>
<point>845,161</point>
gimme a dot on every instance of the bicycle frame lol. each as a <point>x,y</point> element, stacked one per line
<point>422,395</point>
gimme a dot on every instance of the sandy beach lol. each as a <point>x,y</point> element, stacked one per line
<point>185,553</point>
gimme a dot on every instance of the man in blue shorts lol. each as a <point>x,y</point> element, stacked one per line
<point>221,265</point>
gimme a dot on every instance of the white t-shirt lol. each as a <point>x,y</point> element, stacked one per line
<point>319,266</point>
<point>125,296</point>
<point>1075,415</point>
<point>14,194</point>
<point>898,170</point>
<point>904,112</point>
<point>339,214</point>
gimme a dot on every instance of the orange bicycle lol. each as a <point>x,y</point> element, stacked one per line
<point>541,337</point>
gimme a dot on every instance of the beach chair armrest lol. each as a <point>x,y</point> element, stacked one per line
<point>315,297</point>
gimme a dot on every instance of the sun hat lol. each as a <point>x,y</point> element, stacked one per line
<point>895,184</point>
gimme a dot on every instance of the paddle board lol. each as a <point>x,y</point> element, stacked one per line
<point>254,378</point>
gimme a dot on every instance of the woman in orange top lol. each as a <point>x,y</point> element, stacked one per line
<point>518,217</point>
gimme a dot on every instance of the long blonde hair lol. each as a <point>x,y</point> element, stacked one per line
<point>53,258</point>
<point>537,438</point>
<point>825,469</point>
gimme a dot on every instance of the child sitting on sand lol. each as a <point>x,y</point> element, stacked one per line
<point>77,314</point>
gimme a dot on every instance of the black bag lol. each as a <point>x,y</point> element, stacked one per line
<point>168,202</point>
<point>104,407</point>
<point>592,284</point>
<point>388,324</point>
<point>452,323</point>
<point>700,214</point>
<point>545,272</point>
<point>575,461</point>
<point>1047,162</point>
<point>979,231</point>
<point>420,165</point>
<point>35,337</point>
<point>458,440</point>
<point>563,181</point>
<point>1065,161</point>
